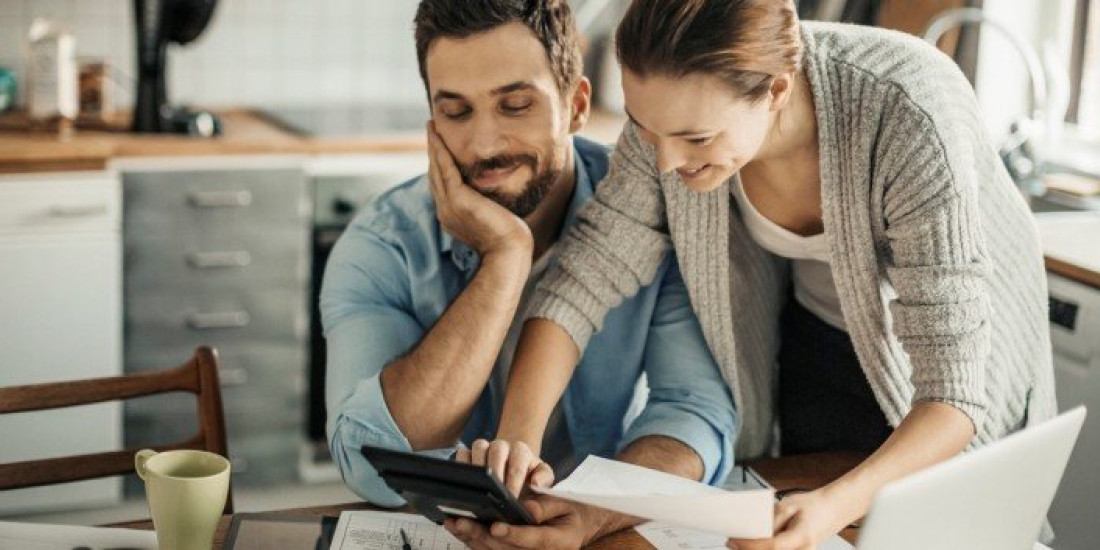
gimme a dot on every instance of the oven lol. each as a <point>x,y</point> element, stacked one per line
<point>341,185</point>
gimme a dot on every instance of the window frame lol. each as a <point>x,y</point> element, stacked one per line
<point>1077,56</point>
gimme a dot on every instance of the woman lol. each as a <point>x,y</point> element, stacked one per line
<point>864,271</point>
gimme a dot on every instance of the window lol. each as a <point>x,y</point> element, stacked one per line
<point>1084,106</point>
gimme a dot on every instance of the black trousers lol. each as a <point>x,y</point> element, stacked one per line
<point>825,402</point>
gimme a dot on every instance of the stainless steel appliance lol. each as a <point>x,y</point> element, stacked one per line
<point>160,23</point>
<point>216,253</point>
<point>1075,335</point>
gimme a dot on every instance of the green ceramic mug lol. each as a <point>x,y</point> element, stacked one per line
<point>186,491</point>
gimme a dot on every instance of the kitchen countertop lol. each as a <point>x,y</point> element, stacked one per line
<point>1070,241</point>
<point>23,150</point>
<point>1071,245</point>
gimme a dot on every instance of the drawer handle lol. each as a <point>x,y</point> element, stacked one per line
<point>220,199</point>
<point>233,377</point>
<point>78,211</point>
<point>237,464</point>
<point>219,260</point>
<point>220,319</point>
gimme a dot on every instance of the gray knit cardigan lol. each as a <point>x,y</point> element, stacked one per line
<point>934,254</point>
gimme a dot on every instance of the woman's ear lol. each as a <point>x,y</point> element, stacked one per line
<point>580,105</point>
<point>780,92</point>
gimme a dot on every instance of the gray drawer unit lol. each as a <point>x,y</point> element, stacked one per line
<point>213,203</point>
<point>260,459</point>
<point>227,315</point>
<point>247,256</point>
<point>219,257</point>
<point>262,381</point>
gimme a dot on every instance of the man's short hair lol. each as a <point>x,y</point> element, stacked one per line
<point>551,21</point>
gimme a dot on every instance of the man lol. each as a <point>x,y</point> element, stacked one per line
<point>423,295</point>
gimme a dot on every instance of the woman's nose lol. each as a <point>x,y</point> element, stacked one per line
<point>668,160</point>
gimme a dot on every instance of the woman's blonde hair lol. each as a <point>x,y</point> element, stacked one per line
<point>745,43</point>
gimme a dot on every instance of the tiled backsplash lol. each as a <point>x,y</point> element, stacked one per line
<point>254,52</point>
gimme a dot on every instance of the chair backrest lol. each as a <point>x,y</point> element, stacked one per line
<point>198,376</point>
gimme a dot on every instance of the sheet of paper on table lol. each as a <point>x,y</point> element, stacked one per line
<point>40,536</point>
<point>369,530</point>
<point>669,537</point>
<point>659,496</point>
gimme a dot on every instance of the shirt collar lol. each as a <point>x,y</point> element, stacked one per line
<point>466,259</point>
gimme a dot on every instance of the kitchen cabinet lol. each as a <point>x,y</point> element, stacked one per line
<point>1073,263</point>
<point>216,253</point>
<point>60,319</point>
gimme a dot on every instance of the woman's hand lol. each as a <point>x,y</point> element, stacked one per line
<point>802,522</point>
<point>512,461</point>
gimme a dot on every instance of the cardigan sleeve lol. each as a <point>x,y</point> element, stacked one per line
<point>615,247</point>
<point>937,260</point>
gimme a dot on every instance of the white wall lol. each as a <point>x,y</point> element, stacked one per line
<point>255,52</point>
<point>1001,83</point>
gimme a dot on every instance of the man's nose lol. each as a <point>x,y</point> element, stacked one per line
<point>487,140</point>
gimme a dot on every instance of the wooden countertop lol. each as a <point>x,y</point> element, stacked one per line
<point>1070,247</point>
<point>803,471</point>
<point>245,133</point>
<point>1073,272</point>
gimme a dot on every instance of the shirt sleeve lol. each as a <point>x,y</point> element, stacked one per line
<point>689,400</point>
<point>365,305</point>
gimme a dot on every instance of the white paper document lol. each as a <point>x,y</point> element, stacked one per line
<point>669,537</point>
<point>649,494</point>
<point>40,536</point>
<point>369,530</point>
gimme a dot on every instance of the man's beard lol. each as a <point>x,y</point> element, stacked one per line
<point>525,202</point>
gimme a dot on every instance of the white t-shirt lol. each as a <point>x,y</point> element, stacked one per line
<point>813,278</point>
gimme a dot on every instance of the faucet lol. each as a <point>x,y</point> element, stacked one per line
<point>1022,150</point>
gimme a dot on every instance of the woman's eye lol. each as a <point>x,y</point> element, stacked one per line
<point>700,141</point>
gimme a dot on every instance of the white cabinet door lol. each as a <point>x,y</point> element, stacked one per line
<point>60,302</point>
<point>1076,338</point>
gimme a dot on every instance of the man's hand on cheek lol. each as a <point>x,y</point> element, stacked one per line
<point>561,525</point>
<point>484,225</point>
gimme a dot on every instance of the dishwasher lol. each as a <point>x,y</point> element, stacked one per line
<point>1075,335</point>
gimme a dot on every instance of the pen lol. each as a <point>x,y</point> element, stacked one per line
<point>755,477</point>
<point>405,540</point>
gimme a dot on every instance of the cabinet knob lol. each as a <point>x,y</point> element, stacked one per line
<point>233,376</point>
<point>219,320</point>
<point>220,199</point>
<point>78,210</point>
<point>216,260</point>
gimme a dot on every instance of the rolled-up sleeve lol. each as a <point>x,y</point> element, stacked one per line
<point>937,263</point>
<point>614,249</point>
<point>688,399</point>
<point>365,311</point>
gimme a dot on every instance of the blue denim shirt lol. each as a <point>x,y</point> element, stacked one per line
<point>394,272</point>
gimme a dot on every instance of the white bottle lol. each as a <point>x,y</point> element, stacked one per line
<point>51,70</point>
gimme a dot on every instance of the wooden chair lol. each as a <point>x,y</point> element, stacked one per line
<point>199,376</point>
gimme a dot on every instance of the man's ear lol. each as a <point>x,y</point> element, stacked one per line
<point>781,90</point>
<point>580,105</point>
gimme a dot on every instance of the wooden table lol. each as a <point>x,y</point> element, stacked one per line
<point>805,471</point>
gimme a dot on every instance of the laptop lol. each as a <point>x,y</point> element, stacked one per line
<point>994,498</point>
